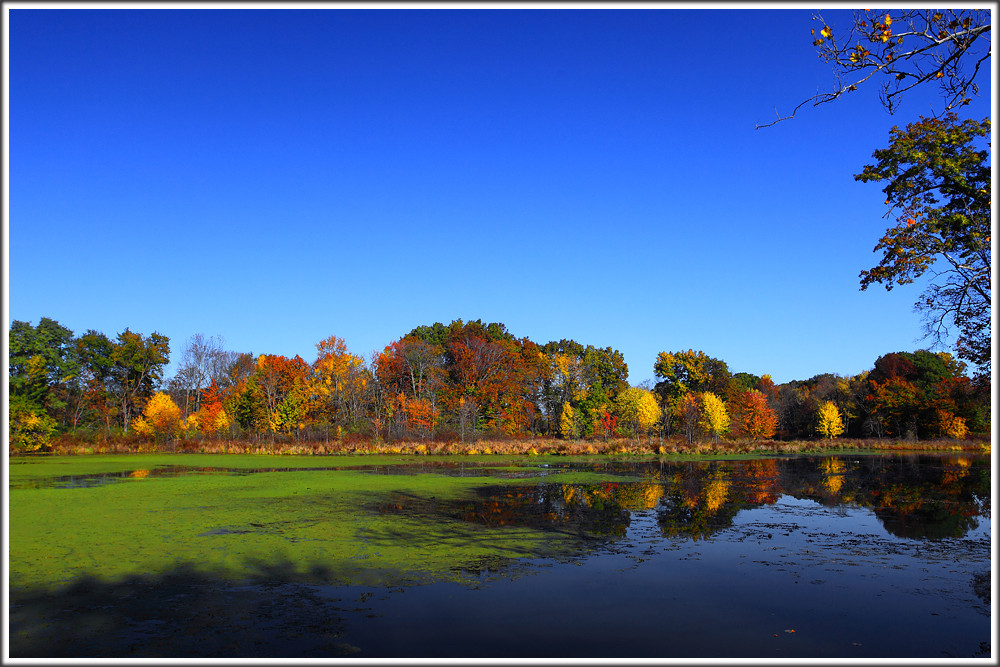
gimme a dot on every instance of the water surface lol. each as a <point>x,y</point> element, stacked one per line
<point>844,557</point>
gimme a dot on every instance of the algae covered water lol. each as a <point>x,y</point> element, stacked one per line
<point>240,556</point>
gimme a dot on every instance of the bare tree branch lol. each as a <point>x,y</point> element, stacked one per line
<point>907,49</point>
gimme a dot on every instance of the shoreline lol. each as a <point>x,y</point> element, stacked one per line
<point>657,448</point>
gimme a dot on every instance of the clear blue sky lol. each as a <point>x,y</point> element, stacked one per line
<point>275,177</point>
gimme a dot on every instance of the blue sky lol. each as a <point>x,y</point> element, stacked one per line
<point>275,177</point>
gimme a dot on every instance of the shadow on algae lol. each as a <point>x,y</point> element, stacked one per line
<point>184,611</point>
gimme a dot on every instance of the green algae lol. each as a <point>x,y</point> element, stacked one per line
<point>235,514</point>
<point>367,520</point>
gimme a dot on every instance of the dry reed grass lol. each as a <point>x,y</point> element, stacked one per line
<point>535,446</point>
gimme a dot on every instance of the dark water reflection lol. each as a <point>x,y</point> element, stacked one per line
<point>920,497</point>
<point>839,557</point>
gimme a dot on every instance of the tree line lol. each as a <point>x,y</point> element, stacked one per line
<point>461,381</point>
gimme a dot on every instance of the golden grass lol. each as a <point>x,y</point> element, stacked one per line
<point>536,446</point>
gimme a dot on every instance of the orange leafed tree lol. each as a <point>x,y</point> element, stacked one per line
<point>409,367</point>
<point>895,404</point>
<point>211,417</point>
<point>420,414</point>
<point>762,481</point>
<point>752,416</point>
<point>412,366</point>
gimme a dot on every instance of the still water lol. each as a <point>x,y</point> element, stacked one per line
<point>839,557</point>
<point>803,557</point>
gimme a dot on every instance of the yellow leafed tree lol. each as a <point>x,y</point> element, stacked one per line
<point>567,421</point>
<point>716,493</point>
<point>339,381</point>
<point>31,428</point>
<point>638,409</point>
<point>161,417</point>
<point>714,417</point>
<point>830,423</point>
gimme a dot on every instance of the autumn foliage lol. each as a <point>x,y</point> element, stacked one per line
<point>161,417</point>
<point>638,409</point>
<point>752,416</point>
<point>469,383</point>
<point>211,417</point>
<point>714,417</point>
<point>830,423</point>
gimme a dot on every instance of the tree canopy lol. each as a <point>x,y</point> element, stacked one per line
<point>937,182</point>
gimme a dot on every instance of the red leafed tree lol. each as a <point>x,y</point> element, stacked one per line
<point>608,424</point>
<point>493,374</point>
<point>752,417</point>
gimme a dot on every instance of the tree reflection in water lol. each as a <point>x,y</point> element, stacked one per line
<point>913,497</point>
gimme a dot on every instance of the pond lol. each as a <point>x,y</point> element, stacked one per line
<point>853,556</point>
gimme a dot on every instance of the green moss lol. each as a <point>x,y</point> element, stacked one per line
<point>339,521</point>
